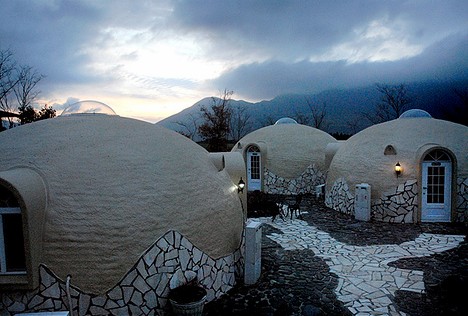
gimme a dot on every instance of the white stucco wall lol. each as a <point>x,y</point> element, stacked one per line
<point>114,186</point>
<point>361,158</point>
<point>291,148</point>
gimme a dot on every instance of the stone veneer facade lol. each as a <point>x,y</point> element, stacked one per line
<point>399,206</point>
<point>303,184</point>
<point>462,200</point>
<point>171,261</point>
<point>340,198</point>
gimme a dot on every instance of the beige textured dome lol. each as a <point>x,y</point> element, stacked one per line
<point>291,148</point>
<point>363,157</point>
<point>114,185</point>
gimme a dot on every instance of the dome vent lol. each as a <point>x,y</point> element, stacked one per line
<point>285,120</point>
<point>415,113</point>
<point>88,107</point>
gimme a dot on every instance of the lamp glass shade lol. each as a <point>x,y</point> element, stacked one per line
<point>240,186</point>
<point>398,168</point>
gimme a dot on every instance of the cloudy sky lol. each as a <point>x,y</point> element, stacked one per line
<point>151,59</point>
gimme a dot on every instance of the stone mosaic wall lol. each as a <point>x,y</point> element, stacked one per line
<point>462,200</point>
<point>396,207</point>
<point>399,206</point>
<point>340,198</point>
<point>144,290</point>
<point>303,184</point>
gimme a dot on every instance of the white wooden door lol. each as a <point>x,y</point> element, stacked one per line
<point>436,191</point>
<point>254,168</point>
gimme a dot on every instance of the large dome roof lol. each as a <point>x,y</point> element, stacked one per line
<point>115,185</point>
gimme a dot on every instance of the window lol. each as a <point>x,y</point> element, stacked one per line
<point>12,254</point>
<point>22,213</point>
<point>437,155</point>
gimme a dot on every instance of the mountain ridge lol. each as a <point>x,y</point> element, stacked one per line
<point>345,107</point>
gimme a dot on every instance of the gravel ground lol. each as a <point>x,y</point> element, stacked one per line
<point>300,283</point>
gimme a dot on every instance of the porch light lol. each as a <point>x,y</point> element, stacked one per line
<point>398,169</point>
<point>240,186</point>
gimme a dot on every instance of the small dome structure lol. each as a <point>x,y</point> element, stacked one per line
<point>394,157</point>
<point>415,113</point>
<point>285,152</point>
<point>88,107</point>
<point>286,120</point>
<point>100,190</point>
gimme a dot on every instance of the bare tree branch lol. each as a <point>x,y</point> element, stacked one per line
<point>394,101</point>
<point>216,126</point>
<point>190,126</point>
<point>318,114</point>
<point>25,89</point>
<point>240,122</point>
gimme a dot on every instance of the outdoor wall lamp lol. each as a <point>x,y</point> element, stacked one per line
<point>398,169</point>
<point>240,186</point>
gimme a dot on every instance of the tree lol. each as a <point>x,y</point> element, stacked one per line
<point>18,91</point>
<point>239,123</point>
<point>25,88</point>
<point>316,117</point>
<point>46,112</point>
<point>190,126</point>
<point>302,118</point>
<point>27,115</point>
<point>318,114</point>
<point>394,101</point>
<point>7,67</point>
<point>7,83</point>
<point>216,126</point>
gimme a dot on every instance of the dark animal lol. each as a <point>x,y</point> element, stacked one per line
<point>296,207</point>
<point>275,210</point>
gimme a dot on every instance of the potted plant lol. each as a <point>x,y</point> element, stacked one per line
<point>188,299</point>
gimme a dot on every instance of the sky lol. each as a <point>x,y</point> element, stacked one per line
<point>152,59</point>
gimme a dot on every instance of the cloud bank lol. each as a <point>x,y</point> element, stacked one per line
<point>160,56</point>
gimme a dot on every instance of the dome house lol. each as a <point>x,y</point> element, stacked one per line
<point>285,158</point>
<point>111,213</point>
<point>416,166</point>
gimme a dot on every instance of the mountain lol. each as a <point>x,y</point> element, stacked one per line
<point>344,108</point>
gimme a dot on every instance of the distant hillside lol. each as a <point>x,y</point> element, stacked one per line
<point>344,107</point>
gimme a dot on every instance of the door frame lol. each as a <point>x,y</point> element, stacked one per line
<point>453,183</point>
<point>247,162</point>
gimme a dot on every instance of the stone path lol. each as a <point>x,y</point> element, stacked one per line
<point>301,282</point>
<point>366,281</point>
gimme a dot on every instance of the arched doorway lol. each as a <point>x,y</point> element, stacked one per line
<point>254,168</point>
<point>436,187</point>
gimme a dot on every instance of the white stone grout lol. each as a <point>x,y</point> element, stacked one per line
<point>365,279</point>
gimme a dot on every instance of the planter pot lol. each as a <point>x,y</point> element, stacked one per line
<point>188,300</point>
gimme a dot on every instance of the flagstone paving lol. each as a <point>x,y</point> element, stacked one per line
<point>375,267</point>
<point>366,281</point>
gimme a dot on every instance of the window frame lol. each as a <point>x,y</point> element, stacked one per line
<point>3,259</point>
<point>30,194</point>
